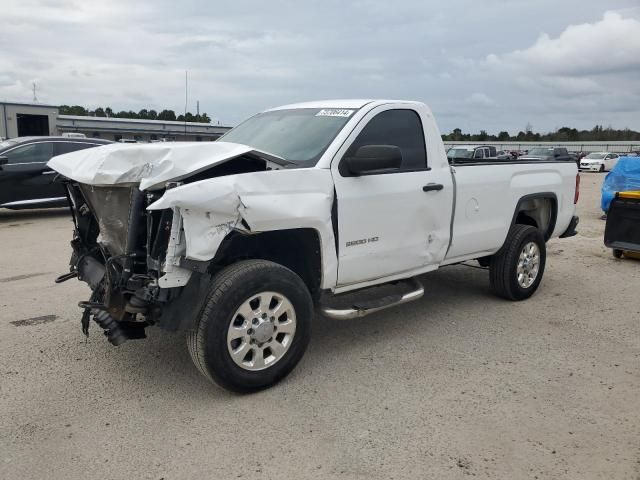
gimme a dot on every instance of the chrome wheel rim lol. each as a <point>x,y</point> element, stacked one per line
<point>528,265</point>
<point>261,331</point>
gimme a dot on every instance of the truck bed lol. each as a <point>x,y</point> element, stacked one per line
<point>487,194</point>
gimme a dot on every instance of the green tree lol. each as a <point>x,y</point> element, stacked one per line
<point>167,115</point>
<point>73,110</point>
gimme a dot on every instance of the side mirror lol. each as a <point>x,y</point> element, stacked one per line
<point>3,161</point>
<point>370,159</point>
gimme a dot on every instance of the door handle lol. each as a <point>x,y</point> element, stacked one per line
<point>49,172</point>
<point>432,187</point>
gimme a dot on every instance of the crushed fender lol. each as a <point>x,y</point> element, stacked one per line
<point>253,202</point>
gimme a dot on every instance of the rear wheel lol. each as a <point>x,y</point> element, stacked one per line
<point>516,270</point>
<point>601,168</point>
<point>254,327</point>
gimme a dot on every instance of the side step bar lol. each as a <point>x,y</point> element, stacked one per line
<point>361,309</point>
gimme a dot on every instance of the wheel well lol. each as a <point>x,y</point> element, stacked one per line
<point>539,212</point>
<point>297,249</point>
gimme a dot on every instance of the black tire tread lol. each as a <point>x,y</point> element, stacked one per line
<point>221,284</point>
<point>499,275</point>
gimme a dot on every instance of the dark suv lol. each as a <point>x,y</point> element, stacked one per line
<point>25,179</point>
<point>549,153</point>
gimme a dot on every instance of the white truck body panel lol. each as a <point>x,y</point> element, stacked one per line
<point>487,196</point>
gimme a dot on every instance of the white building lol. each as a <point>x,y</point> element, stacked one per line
<point>27,119</point>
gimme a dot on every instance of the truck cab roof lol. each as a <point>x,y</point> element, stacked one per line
<point>354,103</point>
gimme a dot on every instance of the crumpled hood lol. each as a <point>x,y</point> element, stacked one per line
<point>150,164</point>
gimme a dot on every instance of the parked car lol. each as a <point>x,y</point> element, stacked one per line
<point>464,152</point>
<point>238,241</point>
<point>548,154</point>
<point>599,161</point>
<point>25,179</point>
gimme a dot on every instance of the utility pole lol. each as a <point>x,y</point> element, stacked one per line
<point>35,97</point>
<point>186,100</point>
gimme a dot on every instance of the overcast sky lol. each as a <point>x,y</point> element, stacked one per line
<point>490,64</point>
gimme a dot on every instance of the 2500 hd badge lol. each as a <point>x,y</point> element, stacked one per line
<point>362,241</point>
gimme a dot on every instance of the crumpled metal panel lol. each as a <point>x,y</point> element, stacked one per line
<point>255,202</point>
<point>151,165</point>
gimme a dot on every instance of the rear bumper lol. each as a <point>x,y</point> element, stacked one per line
<point>571,229</point>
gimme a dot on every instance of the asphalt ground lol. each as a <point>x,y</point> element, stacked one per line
<point>457,384</point>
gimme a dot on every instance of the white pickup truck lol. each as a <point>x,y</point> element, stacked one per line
<point>316,205</point>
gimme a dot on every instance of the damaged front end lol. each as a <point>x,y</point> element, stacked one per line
<point>120,250</point>
<point>154,224</point>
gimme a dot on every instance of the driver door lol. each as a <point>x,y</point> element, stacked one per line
<point>391,222</point>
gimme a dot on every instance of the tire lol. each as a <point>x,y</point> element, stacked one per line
<point>617,253</point>
<point>601,169</point>
<point>233,288</point>
<point>503,272</point>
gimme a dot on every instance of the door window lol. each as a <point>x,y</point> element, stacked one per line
<point>32,153</point>
<point>399,128</point>
<point>67,147</point>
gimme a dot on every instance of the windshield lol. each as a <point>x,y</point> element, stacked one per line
<point>596,156</point>
<point>459,153</point>
<point>540,152</point>
<point>300,135</point>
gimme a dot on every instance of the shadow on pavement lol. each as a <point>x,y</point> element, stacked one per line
<point>172,369</point>
<point>12,215</point>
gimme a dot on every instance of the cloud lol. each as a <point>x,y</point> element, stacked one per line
<point>246,56</point>
<point>480,99</point>
<point>607,46</point>
<point>586,74</point>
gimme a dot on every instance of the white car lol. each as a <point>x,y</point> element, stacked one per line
<point>599,162</point>
<point>238,241</point>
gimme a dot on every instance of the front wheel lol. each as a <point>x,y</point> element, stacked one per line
<point>516,270</point>
<point>254,327</point>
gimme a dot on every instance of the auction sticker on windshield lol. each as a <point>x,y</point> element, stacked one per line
<point>334,112</point>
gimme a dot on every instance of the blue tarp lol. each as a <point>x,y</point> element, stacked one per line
<point>624,177</point>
